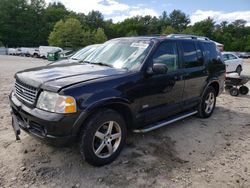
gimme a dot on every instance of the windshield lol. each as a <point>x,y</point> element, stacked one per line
<point>123,54</point>
<point>83,53</point>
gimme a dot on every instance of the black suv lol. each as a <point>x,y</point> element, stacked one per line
<point>135,83</point>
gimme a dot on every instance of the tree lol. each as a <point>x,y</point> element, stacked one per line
<point>99,36</point>
<point>164,21</point>
<point>92,21</point>
<point>179,20</point>
<point>131,33</point>
<point>204,28</point>
<point>67,34</point>
<point>87,38</point>
<point>14,20</point>
<point>169,30</point>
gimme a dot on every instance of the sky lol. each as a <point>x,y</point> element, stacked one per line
<point>118,10</point>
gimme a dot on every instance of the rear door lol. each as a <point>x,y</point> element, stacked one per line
<point>194,72</point>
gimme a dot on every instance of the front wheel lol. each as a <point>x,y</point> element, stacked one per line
<point>234,91</point>
<point>103,137</point>
<point>207,103</point>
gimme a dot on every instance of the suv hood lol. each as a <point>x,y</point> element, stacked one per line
<point>58,76</point>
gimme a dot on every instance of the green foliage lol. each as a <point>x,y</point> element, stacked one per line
<point>179,20</point>
<point>169,30</point>
<point>67,34</point>
<point>32,23</point>
<point>96,37</point>
<point>87,38</point>
<point>99,36</point>
<point>204,28</point>
<point>132,33</point>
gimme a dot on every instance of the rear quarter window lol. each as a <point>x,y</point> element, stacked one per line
<point>210,51</point>
<point>191,55</point>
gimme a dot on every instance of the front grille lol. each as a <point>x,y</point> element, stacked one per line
<point>25,92</point>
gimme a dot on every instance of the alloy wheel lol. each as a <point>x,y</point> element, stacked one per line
<point>209,103</point>
<point>107,139</point>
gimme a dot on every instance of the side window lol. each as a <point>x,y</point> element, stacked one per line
<point>200,55</point>
<point>210,51</point>
<point>167,54</point>
<point>225,57</point>
<point>231,57</point>
<point>190,55</point>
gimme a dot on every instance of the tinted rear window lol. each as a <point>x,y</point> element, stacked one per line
<point>190,55</point>
<point>210,50</point>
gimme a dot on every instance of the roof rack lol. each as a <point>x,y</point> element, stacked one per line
<point>186,36</point>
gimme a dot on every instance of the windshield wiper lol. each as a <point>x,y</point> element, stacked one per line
<point>82,61</point>
<point>102,64</point>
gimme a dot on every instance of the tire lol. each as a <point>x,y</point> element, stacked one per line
<point>208,98</point>
<point>103,149</point>
<point>35,55</point>
<point>234,91</point>
<point>238,70</point>
<point>243,90</point>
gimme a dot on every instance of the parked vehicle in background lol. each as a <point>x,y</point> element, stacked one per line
<point>65,54</point>
<point>244,55</point>
<point>33,52</point>
<point>233,62</point>
<point>11,51</point>
<point>43,50</point>
<point>133,83</point>
<point>3,51</point>
<point>78,56</point>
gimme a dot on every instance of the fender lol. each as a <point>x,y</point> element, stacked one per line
<point>208,83</point>
<point>91,108</point>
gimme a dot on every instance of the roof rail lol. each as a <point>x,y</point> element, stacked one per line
<point>187,36</point>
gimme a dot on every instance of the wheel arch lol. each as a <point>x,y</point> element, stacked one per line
<point>216,86</point>
<point>119,105</point>
<point>213,83</point>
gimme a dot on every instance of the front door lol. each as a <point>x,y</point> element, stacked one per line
<point>162,93</point>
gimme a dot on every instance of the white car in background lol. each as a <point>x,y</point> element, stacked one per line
<point>233,62</point>
<point>44,50</point>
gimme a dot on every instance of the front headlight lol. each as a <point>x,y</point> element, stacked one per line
<point>53,102</point>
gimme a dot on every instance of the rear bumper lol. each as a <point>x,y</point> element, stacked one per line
<point>55,129</point>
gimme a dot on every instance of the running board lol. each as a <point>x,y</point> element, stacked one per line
<point>164,123</point>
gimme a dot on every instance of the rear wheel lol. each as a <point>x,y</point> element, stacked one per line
<point>35,55</point>
<point>243,90</point>
<point>234,91</point>
<point>103,137</point>
<point>207,104</point>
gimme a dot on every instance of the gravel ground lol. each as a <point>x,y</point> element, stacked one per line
<point>195,152</point>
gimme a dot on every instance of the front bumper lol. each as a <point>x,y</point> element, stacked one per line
<point>50,127</point>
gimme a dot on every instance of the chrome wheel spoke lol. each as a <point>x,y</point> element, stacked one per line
<point>100,148</point>
<point>207,108</point>
<point>110,148</point>
<point>210,96</point>
<point>99,135</point>
<point>111,123</point>
<point>115,136</point>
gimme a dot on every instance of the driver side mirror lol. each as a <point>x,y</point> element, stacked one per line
<point>158,68</point>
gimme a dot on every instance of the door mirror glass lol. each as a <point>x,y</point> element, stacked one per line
<point>159,68</point>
